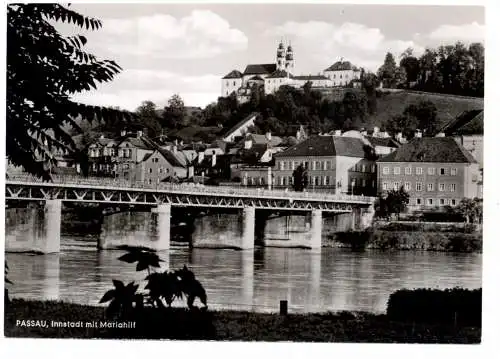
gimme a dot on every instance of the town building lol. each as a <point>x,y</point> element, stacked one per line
<point>435,171</point>
<point>159,166</point>
<point>241,128</point>
<point>272,76</point>
<point>334,164</point>
<point>102,154</point>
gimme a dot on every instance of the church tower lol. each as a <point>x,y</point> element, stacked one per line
<point>289,62</point>
<point>280,56</point>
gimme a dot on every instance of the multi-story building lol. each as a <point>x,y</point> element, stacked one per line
<point>159,166</point>
<point>102,155</point>
<point>334,164</point>
<point>435,171</point>
<point>342,73</point>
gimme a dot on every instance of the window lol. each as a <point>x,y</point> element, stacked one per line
<point>453,172</point>
<point>407,186</point>
<point>430,202</point>
<point>397,170</point>
<point>396,186</point>
<point>353,182</point>
<point>363,168</point>
<point>418,186</point>
<point>418,201</point>
<point>313,165</point>
<point>160,170</point>
<point>363,182</point>
<point>442,201</point>
<point>442,187</point>
<point>327,180</point>
<point>150,170</point>
<point>234,83</point>
<point>373,183</point>
<point>374,168</point>
<point>453,202</point>
<point>419,170</point>
<point>282,165</point>
<point>385,186</point>
<point>453,187</point>
<point>282,181</point>
<point>316,181</point>
<point>407,170</point>
<point>430,186</point>
<point>442,171</point>
<point>149,181</point>
<point>325,165</point>
<point>431,171</point>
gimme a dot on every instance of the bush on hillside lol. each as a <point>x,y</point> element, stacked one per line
<point>455,306</point>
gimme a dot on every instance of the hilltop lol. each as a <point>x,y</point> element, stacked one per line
<point>393,102</point>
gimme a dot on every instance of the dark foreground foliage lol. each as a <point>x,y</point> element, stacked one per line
<point>455,306</point>
<point>184,324</point>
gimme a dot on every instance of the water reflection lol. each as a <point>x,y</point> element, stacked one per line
<point>258,280</point>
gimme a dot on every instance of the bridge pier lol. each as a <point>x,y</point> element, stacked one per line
<point>36,228</point>
<point>316,228</point>
<point>225,230</point>
<point>147,229</point>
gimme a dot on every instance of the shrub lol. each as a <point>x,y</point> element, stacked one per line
<point>455,306</point>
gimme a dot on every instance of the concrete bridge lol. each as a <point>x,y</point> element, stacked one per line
<point>37,227</point>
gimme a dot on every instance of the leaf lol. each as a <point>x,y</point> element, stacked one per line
<point>130,257</point>
<point>109,295</point>
<point>141,265</point>
<point>118,284</point>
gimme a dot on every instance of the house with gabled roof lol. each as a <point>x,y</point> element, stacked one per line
<point>241,128</point>
<point>435,171</point>
<point>334,164</point>
<point>342,73</point>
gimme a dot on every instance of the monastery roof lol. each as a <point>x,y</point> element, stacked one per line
<point>430,149</point>
<point>341,65</point>
<point>279,74</point>
<point>310,77</point>
<point>235,74</point>
<point>326,146</point>
<point>259,69</point>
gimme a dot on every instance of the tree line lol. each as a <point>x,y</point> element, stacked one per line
<point>450,69</point>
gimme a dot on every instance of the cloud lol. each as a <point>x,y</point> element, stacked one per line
<point>327,42</point>
<point>201,34</point>
<point>473,32</point>
<point>133,86</point>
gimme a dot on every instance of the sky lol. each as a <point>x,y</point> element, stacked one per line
<point>186,49</point>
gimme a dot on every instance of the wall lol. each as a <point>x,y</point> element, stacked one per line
<point>473,144</point>
<point>229,86</point>
<point>342,77</point>
<point>218,230</point>
<point>460,180</point>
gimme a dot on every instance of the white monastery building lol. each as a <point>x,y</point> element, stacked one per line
<point>272,76</point>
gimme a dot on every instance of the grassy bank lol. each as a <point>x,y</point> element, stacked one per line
<point>408,240</point>
<point>231,325</point>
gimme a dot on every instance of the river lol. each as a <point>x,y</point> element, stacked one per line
<point>335,280</point>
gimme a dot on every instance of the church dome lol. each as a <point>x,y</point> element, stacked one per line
<point>281,46</point>
<point>289,48</point>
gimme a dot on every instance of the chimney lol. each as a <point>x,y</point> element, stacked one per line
<point>139,134</point>
<point>101,137</point>
<point>384,134</point>
<point>201,157</point>
<point>190,172</point>
<point>399,137</point>
<point>418,134</point>
<point>248,144</point>
<point>174,148</point>
<point>124,133</point>
<point>268,135</point>
<point>214,160</point>
<point>375,130</point>
<point>440,134</point>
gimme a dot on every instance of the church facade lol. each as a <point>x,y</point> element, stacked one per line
<point>274,75</point>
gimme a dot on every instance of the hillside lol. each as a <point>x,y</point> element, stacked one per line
<point>393,103</point>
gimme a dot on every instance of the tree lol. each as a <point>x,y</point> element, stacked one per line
<point>44,69</point>
<point>300,178</point>
<point>387,71</point>
<point>148,118</point>
<point>425,113</point>
<point>396,201</point>
<point>411,65</point>
<point>174,112</point>
<point>470,209</point>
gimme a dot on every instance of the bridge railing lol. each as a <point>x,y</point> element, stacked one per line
<point>189,188</point>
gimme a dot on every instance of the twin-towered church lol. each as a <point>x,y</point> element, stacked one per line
<point>272,76</point>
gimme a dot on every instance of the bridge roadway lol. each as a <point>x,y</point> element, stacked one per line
<point>106,190</point>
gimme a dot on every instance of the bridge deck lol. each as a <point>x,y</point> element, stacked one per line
<point>78,189</point>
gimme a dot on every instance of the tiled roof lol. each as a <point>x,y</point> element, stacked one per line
<point>259,69</point>
<point>141,142</point>
<point>241,123</point>
<point>326,146</point>
<point>279,74</point>
<point>341,65</point>
<point>430,149</point>
<point>235,74</point>
<point>382,141</point>
<point>310,77</point>
<point>468,122</point>
<point>170,157</point>
<point>256,77</point>
<point>262,139</point>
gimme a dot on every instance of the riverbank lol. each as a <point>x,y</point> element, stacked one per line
<point>407,240</point>
<point>357,327</point>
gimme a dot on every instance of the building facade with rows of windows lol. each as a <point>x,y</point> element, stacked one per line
<point>334,164</point>
<point>436,172</point>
